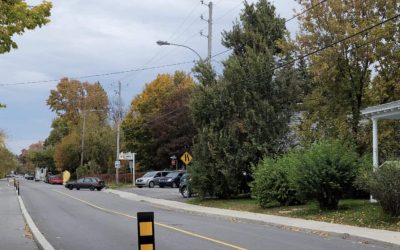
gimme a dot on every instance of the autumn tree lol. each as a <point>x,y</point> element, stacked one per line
<point>67,152</point>
<point>163,100</point>
<point>80,106</point>
<point>245,114</point>
<point>37,155</point>
<point>172,128</point>
<point>342,73</point>
<point>7,159</point>
<point>16,17</point>
<point>72,98</point>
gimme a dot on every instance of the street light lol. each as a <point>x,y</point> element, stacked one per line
<point>83,130</point>
<point>162,43</point>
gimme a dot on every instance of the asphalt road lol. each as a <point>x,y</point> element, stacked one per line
<point>97,220</point>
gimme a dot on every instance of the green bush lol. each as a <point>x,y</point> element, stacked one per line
<point>82,171</point>
<point>327,169</point>
<point>384,185</point>
<point>274,180</point>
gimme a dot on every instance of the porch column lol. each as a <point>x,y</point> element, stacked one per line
<point>375,154</point>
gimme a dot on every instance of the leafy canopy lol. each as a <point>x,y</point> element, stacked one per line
<point>16,16</point>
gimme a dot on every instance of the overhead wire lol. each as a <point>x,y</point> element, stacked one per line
<point>97,75</point>
<point>342,40</point>
<point>339,41</point>
<point>305,11</point>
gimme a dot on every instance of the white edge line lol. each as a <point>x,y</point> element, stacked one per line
<point>37,235</point>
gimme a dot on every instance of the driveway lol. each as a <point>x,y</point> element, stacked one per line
<point>159,193</point>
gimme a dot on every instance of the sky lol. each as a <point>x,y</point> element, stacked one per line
<point>100,36</point>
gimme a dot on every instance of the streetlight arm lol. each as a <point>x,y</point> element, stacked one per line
<point>180,45</point>
<point>161,43</point>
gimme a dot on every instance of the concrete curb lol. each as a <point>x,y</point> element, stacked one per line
<point>40,240</point>
<point>367,235</point>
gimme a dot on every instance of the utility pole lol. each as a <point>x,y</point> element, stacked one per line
<point>84,122</point>
<point>118,131</point>
<point>83,136</point>
<point>210,23</point>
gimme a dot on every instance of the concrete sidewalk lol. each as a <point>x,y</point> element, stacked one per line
<point>13,230</point>
<point>365,234</point>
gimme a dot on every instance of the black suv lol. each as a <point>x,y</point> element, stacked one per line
<point>172,179</point>
<point>184,187</point>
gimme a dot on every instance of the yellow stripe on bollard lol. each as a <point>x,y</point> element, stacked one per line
<point>146,247</point>
<point>146,228</point>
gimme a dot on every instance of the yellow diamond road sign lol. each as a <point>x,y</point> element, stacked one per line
<point>186,158</point>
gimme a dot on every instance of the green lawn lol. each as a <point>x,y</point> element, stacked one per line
<point>351,212</point>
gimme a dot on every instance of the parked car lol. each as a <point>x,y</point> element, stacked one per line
<point>184,187</point>
<point>48,176</point>
<point>29,177</point>
<point>91,183</point>
<point>150,179</point>
<point>10,175</point>
<point>55,179</point>
<point>172,179</point>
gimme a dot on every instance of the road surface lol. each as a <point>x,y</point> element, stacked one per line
<point>96,220</point>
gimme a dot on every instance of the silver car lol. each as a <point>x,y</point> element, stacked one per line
<point>150,179</point>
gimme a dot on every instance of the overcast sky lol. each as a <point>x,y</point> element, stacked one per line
<point>100,36</point>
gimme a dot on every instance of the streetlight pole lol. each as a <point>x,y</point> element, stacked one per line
<point>83,131</point>
<point>162,43</point>
<point>83,136</point>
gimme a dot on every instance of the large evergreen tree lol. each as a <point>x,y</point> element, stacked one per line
<point>245,114</point>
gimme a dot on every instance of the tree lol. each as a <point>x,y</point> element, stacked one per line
<point>163,100</point>
<point>74,102</point>
<point>7,159</point>
<point>16,16</point>
<point>245,114</point>
<point>60,129</point>
<point>37,156</point>
<point>341,73</point>
<point>67,152</point>
<point>72,98</point>
<point>172,129</point>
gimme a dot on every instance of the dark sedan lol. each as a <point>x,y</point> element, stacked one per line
<point>91,183</point>
<point>171,180</point>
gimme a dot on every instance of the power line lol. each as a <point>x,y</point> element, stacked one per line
<point>339,41</point>
<point>305,11</point>
<point>97,75</point>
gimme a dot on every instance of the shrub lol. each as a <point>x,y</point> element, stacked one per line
<point>274,180</point>
<point>326,170</point>
<point>384,185</point>
<point>82,171</point>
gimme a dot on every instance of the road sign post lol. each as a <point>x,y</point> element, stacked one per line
<point>131,158</point>
<point>145,222</point>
